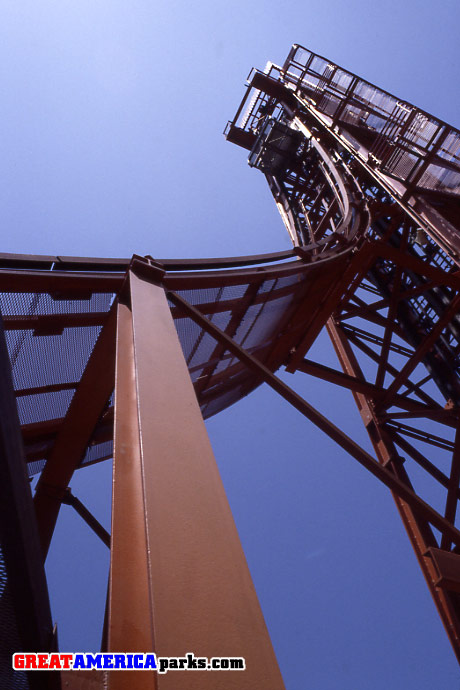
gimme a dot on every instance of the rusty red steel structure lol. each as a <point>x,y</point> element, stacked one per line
<point>124,358</point>
<point>324,137</point>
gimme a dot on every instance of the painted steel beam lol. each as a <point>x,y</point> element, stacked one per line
<point>374,392</point>
<point>30,262</point>
<point>71,500</point>
<point>421,351</point>
<point>179,580</point>
<point>337,435</point>
<point>85,410</point>
<point>52,324</point>
<point>60,283</point>
<point>415,522</point>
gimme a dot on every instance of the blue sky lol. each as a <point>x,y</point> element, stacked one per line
<point>112,118</point>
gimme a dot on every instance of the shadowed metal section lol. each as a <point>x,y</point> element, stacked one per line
<point>25,617</point>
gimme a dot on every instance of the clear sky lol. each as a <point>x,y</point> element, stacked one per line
<point>112,117</point>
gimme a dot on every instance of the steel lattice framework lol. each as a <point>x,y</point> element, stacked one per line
<point>123,358</point>
<point>334,147</point>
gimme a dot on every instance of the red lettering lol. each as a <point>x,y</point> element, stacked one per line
<point>18,661</point>
<point>30,661</point>
<point>54,661</point>
<point>66,659</point>
<point>42,660</point>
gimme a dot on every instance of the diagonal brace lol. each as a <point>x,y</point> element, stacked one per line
<point>85,409</point>
<point>71,500</point>
<point>364,458</point>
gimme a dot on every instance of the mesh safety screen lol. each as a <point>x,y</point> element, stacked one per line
<point>9,636</point>
<point>47,366</point>
<point>50,338</point>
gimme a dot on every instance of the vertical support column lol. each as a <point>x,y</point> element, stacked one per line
<point>417,526</point>
<point>179,578</point>
<point>25,616</point>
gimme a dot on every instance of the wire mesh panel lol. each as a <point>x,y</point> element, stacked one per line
<point>9,635</point>
<point>51,335</point>
<point>48,354</point>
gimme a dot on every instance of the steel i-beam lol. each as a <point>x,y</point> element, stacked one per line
<point>179,580</point>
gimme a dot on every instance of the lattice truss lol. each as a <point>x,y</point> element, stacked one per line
<point>348,163</point>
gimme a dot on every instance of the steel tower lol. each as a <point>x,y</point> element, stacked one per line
<point>352,167</point>
<point>104,358</point>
